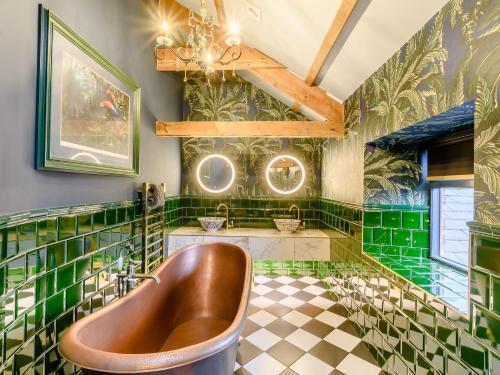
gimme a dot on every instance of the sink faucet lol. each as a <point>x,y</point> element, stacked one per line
<point>128,280</point>
<point>301,226</point>
<point>224,205</point>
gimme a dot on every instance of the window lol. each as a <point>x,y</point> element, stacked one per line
<point>452,206</point>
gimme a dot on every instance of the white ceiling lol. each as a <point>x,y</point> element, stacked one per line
<point>291,32</point>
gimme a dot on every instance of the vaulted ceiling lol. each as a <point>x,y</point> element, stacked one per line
<point>333,44</point>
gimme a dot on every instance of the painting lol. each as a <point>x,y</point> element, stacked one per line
<point>88,110</point>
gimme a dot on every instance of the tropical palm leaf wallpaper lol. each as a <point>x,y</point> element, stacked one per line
<point>234,100</point>
<point>454,59</point>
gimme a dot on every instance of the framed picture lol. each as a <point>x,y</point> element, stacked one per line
<point>88,110</point>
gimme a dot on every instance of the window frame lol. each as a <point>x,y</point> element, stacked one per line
<point>435,220</point>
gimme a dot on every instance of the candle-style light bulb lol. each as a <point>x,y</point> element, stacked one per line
<point>233,27</point>
<point>164,26</point>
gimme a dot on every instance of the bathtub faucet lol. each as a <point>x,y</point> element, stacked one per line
<point>127,281</point>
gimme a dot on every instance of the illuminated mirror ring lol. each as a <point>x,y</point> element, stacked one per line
<point>271,167</point>
<point>207,166</point>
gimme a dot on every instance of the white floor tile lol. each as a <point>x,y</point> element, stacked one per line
<point>262,318</point>
<point>264,364</point>
<point>309,280</point>
<point>342,339</point>
<point>284,280</point>
<point>314,289</point>
<point>263,339</point>
<point>353,365</point>
<point>261,279</point>
<point>321,302</point>
<point>303,339</point>
<point>291,302</point>
<point>309,365</point>
<point>262,302</point>
<point>330,318</point>
<point>262,289</point>
<point>288,290</point>
<point>296,318</point>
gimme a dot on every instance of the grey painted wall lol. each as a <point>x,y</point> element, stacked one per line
<point>123,31</point>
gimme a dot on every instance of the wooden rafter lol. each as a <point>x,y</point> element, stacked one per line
<point>266,68</point>
<point>331,37</point>
<point>249,129</point>
<point>221,13</point>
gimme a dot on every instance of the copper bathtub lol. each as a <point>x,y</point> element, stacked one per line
<point>188,324</point>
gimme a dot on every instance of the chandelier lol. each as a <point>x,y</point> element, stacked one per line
<point>201,47</point>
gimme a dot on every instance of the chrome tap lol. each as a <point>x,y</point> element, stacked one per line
<point>302,224</point>
<point>125,282</point>
<point>228,226</point>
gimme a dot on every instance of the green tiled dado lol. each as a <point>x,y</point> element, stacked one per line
<point>391,219</point>
<point>372,219</point>
<point>56,265</point>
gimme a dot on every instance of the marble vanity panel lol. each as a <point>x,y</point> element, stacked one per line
<point>176,242</point>
<point>240,241</point>
<point>271,248</point>
<point>312,249</point>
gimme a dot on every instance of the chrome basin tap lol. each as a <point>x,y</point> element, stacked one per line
<point>125,282</point>
<point>225,205</point>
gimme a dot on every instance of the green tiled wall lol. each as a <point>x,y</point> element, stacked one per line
<point>250,211</point>
<point>407,329</point>
<point>396,231</point>
<point>57,266</point>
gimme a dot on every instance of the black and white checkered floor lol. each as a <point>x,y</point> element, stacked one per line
<point>293,327</point>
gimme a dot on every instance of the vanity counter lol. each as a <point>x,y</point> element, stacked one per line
<point>262,243</point>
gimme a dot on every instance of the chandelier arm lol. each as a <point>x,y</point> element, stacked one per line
<point>235,55</point>
<point>163,54</point>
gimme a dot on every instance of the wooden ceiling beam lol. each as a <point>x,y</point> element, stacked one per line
<point>221,13</point>
<point>310,129</point>
<point>331,37</point>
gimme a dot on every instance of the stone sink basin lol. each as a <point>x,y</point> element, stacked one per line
<point>287,225</point>
<point>211,223</point>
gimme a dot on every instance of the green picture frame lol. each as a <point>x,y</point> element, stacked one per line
<point>88,110</point>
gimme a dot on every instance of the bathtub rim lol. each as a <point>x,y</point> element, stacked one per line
<point>157,361</point>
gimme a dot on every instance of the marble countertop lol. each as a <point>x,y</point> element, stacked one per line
<point>248,232</point>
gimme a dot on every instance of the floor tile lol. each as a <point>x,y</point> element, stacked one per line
<point>309,280</point>
<point>273,284</point>
<point>313,289</point>
<point>281,328</point>
<point>261,279</point>
<point>246,352</point>
<point>284,279</point>
<point>288,371</point>
<point>296,318</point>
<point>275,295</point>
<point>264,364</point>
<point>362,351</point>
<point>353,365</point>
<point>262,318</point>
<point>263,339</point>
<point>317,328</point>
<point>277,309</point>
<point>262,289</point>
<point>324,303</point>
<point>261,302</point>
<point>288,290</point>
<point>328,353</point>
<point>330,318</point>
<point>304,296</point>
<point>291,302</point>
<point>309,365</point>
<point>299,284</point>
<point>285,352</point>
<point>249,328</point>
<point>303,339</point>
<point>342,339</point>
<point>310,310</point>
<point>347,327</point>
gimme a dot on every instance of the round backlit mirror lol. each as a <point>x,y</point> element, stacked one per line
<point>285,174</point>
<point>215,173</point>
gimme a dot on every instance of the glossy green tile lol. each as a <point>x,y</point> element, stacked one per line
<point>89,286</point>
<point>381,236</point>
<point>98,260</point>
<point>55,255</point>
<point>65,276</point>
<point>110,216</point>
<point>62,323</point>
<point>472,353</point>
<point>74,248</point>
<point>15,272</point>
<point>420,239</point>
<point>25,294</point>
<point>91,243</point>
<point>9,243</point>
<point>412,220</point>
<point>401,237</point>
<point>66,227</point>
<point>446,333</point>
<point>372,219</point>
<point>454,367</point>
<point>486,326</point>
<point>486,253</point>
<point>391,219</point>
<point>496,294</point>
<point>99,220</point>
<point>27,236</point>
<point>14,337</point>
<point>479,287</point>
<point>83,267</point>
<point>36,262</point>
<point>84,223</point>
<point>54,306</point>
<point>3,280</point>
<point>47,231</point>
<point>73,295</point>
<point>105,238</point>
